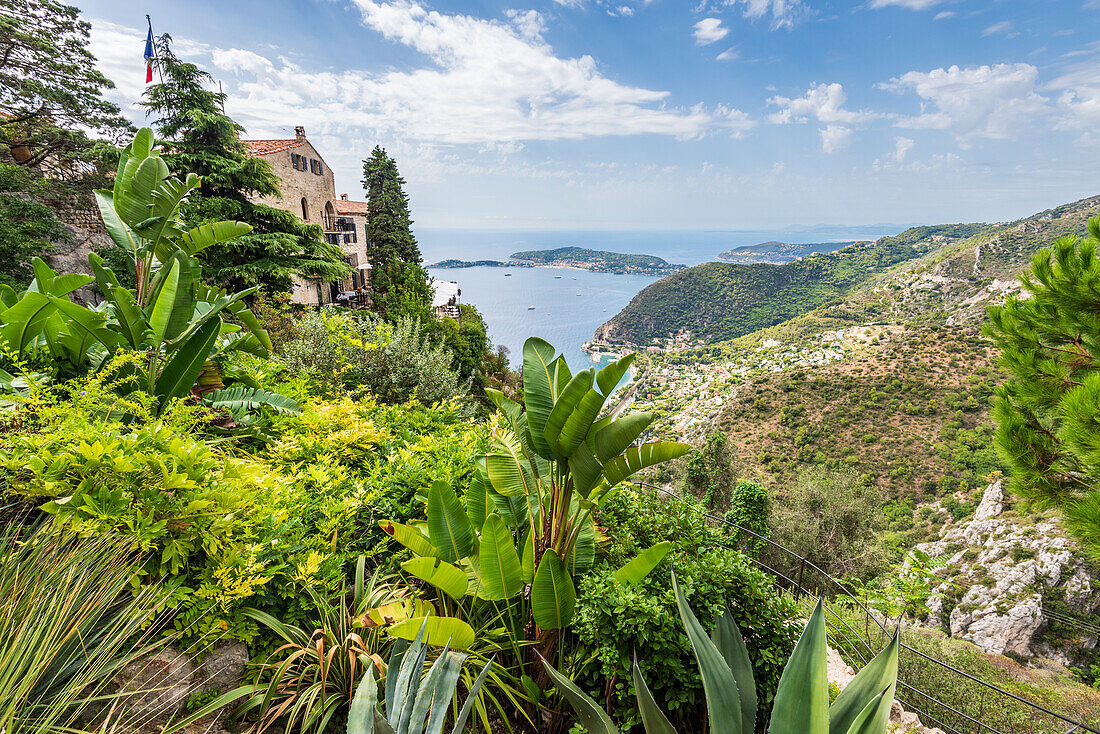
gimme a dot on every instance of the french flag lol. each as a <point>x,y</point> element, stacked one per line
<point>149,56</point>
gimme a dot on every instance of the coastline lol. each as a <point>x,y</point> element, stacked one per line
<point>589,268</point>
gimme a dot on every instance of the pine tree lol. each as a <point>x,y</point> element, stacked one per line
<point>1048,410</point>
<point>201,138</point>
<point>50,89</point>
<point>399,282</point>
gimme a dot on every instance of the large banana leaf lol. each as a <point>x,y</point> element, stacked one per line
<point>652,717</point>
<point>160,311</point>
<point>591,716</point>
<point>727,638</point>
<point>438,631</point>
<point>586,471</point>
<point>119,231</point>
<point>801,704</point>
<point>582,554</point>
<point>632,573</point>
<point>527,558</point>
<point>613,439</point>
<point>538,390</point>
<point>508,468</point>
<point>723,700</point>
<point>579,422</point>
<point>198,239</point>
<point>501,576</point>
<point>185,365</point>
<point>409,537</point>
<point>553,597</point>
<point>447,577</point>
<point>608,378</point>
<point>877,676</point>
<point>636,458</point>
<point>449,529</point>
<point>564,405</point>
<point>24,321</point>
<point>477,495</point>
<point>239,397</point>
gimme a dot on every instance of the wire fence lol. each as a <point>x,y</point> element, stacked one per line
<point>963,704</point>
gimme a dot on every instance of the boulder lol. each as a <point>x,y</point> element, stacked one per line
<point>223,667</point>
<point>157,685</point>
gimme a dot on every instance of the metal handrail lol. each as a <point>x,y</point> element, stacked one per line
<point>800,589</point>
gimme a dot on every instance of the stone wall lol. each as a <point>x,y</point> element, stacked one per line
<point>319,191</point>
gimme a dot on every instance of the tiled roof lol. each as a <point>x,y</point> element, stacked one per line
<point>266,147</point>
<point>343,206</point>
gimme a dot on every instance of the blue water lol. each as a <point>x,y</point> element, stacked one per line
<point>560,316</point>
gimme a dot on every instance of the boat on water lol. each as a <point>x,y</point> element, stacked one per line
<point>558,277</point>
<point>578,294</point>
<point>530,308</point>
<point>507,275</point>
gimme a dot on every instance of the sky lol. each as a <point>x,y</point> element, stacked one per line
<point>658,114</point>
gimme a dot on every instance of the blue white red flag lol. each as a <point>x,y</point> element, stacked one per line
<point>149,56</point>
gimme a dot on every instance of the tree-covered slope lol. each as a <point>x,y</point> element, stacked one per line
<point>598,260</point>
<point>719,301</point>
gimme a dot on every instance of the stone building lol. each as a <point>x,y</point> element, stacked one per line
<point>309,192</point>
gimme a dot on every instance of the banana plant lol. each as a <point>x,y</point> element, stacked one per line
<point>413,705</point>
<point>801,704</point>
<point>468,556</point>
<point>171,318</point>
<point>553,460</point>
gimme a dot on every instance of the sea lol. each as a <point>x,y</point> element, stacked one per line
<point>565,306</point>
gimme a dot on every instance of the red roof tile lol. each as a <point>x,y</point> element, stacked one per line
<point>343,206</point>
<point>266,147</point>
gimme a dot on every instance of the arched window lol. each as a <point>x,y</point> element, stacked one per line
<point>329,217</point>
<point>305,209</point>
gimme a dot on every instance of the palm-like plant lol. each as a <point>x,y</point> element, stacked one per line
<point>525,528</point>
<point>170,317</point>
<point>801,704</point>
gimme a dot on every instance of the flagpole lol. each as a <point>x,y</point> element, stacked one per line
<point>156,61</point>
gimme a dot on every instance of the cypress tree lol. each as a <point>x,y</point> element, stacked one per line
<point>1048,410</point>
<point>201,138</point>
<point>399,283</point>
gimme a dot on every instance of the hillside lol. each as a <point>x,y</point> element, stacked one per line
<point>892,382</point>
<point>602,261</point>
<point>778,253</point>
<point>719,301</point>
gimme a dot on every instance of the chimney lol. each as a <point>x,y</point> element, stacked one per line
<point>300,132</point>
<point>343,197</point>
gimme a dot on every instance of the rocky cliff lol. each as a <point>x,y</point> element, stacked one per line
<point>1015,584</point>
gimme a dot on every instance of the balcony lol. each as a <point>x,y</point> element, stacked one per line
<point>329,223</point>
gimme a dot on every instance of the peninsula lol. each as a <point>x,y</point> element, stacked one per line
<point>777,253</point>
<point>599,261</point>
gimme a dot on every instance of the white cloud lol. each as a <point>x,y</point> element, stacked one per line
<point>622,10</point>
<point>910,4</point>
<point>823,102</point>
<point>730,54</point>
<point>944,15</point>
<point>994,102</point>
<point>570,3</point>
<point>709,30</point>
<point>902,146</point>
<point>835,137</point>
<point>1079,97</point>
<point>783,13</point>
<point>482,82</point>
<point>1003,27</point>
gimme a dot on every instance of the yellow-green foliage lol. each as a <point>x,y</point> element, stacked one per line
<point>230,523</point>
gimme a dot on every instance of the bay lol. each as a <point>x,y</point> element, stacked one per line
<point>561,316</point>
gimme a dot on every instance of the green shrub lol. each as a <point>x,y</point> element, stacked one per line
<point>613,621</point>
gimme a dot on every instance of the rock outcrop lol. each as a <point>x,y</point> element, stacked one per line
<point>1002,569</point>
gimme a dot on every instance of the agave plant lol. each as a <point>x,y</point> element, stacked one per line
<point>801,704</point>
<point>414,704</point>
<point>174,319</point>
